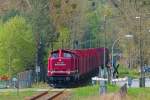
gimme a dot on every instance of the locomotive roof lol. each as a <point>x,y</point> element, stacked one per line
<point>66,50</point>
<point>79,52</point>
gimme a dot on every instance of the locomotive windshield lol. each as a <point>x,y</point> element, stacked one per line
<point>67,55</point>
<point>54,55</point>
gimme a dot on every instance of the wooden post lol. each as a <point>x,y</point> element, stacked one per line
<point>123,90</point>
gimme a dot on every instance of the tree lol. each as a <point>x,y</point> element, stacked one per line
<point>39,17</point>
<point>37,13</point>
<point>63,40</point>
<point>135,14</point>
<point>82,18</point>
<point>17,46</point>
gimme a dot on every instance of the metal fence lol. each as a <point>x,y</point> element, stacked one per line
<point>4,84</point>
<point>25,79</point>
<point>22,80</point>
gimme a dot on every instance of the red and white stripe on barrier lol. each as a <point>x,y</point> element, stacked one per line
<point>105,79</point>
<point>98,79</point>
<point>119,79</point>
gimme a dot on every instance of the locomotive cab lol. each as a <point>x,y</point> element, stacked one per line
<point>62,66</point>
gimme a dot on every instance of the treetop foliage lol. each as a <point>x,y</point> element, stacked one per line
<point>17,48</point>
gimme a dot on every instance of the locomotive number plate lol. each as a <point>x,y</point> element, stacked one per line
<point>60,64</point>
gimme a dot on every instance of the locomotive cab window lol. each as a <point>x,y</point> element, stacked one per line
<point>67,55</point>
<point>54,55</point>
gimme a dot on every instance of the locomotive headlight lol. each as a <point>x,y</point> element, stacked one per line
<point>52,72</point>
<point>48,72</point>
<point>68,72</point>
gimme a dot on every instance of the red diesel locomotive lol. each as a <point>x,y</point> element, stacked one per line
<point>71,65</point>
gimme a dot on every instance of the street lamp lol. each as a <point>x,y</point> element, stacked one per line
<point>126,36</point>
<point>137,17</point>
<point>142,79</point>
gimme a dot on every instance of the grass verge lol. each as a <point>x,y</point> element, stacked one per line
<point>139,93</point>
<point>83,92</point>
<point>124,71</point>
<point>40,85</point>
<point>92,92</point>
<point>15,96</point>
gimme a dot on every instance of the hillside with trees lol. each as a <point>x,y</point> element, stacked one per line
<point>30,29</point>
<point>136,17</point>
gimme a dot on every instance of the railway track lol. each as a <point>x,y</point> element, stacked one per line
<point>49,95</point>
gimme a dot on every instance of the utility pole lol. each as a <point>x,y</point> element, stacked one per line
<point>104,46</point>
<point>9,65</point>
<point>102,71</point>
<point>142,79</point>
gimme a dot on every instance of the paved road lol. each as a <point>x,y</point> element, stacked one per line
<point>31,89</point>
<point>135,83</point>
<point>27,89</point>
